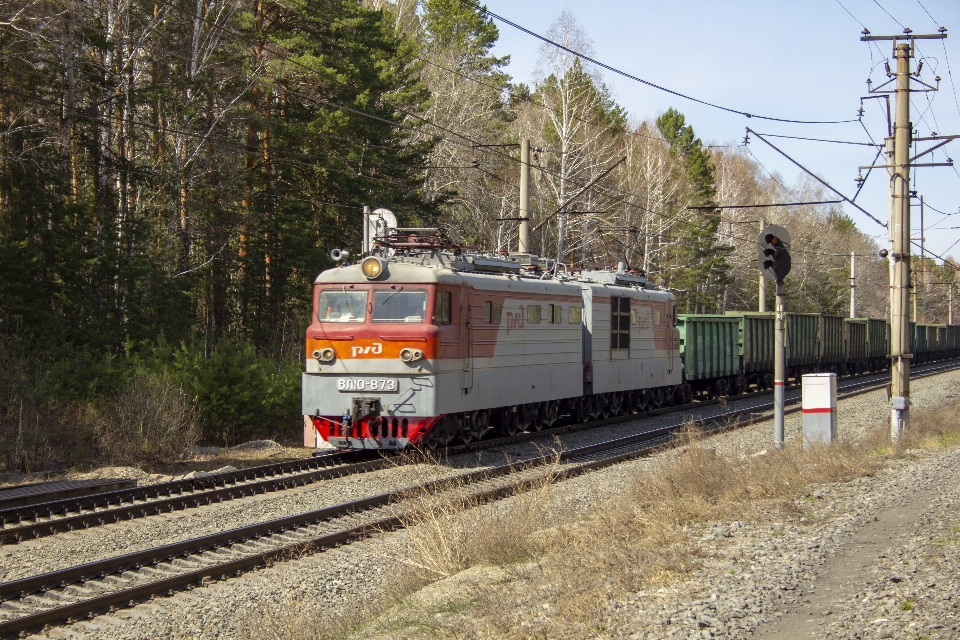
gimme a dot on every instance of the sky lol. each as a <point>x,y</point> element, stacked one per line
<point>792,59</point>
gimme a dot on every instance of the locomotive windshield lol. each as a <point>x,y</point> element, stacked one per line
<point>399,306</point>
<point>342,306</point>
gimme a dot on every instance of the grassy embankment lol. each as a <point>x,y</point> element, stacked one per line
<point>541,565</point>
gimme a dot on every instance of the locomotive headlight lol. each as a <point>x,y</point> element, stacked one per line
<point>372,268</point>
<point>410,355</point>
<point>324,355</point>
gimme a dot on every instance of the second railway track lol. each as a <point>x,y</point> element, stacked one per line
<point>83,591</point>
<point>72,513</point>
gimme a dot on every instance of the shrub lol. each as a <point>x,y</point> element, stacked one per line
<point>152,419</point>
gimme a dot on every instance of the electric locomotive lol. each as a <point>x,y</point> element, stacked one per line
<point>423,342</point>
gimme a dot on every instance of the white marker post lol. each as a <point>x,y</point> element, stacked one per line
<point>819,403</point>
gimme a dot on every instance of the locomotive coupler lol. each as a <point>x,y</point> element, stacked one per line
<point>364,407</point>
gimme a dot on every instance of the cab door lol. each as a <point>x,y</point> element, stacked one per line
<point>466,345</point>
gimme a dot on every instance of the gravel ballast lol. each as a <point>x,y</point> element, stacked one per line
<point>746,600</point>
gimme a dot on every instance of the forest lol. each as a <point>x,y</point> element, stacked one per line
<point>174,174</point>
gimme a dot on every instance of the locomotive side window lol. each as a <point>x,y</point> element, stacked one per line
<point>573,315</point>
<point>656,318</point>
<point>488,312</point>
<point>558,315</point>
<point>399,306</point>
<point>633,316</point>
<point>496,313</point>
<point>619,322</point>
<point>441,311</point>
<point>342,306</point>
<point>533,314</point>
<point>551,313</point>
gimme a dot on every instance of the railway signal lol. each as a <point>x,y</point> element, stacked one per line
<point>774,263</point>
<point>774,252</point>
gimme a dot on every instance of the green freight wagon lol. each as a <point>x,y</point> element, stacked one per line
<point>931,341</point>
<point>802,342</point>
<point>709,348</point>
<point>831,334</point>
<point>953,340</point>
<point>756,343</point>
<point>878,335</point>
<point>856,345</point>
<point>918,344</point>
<point>941,341</point>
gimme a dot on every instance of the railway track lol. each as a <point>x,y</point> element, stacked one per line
<point>38,517</point>
<point>83,591</point>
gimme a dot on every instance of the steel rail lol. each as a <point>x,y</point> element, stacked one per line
<point>624,448</point>
<point>139,502</point>
<point>29,494</point>
<point>173,496</point>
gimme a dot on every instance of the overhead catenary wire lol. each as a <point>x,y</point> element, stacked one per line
<point>862,144</point>
<point>602,65</point>
<point>889,14</point>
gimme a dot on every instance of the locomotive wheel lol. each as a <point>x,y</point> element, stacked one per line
<point>511,424</point>
<point>657,398</point>
<point>646,400</point>
<point>479,423</point>
<point>549,413</point>
<point>616,407</point>
<point>531,418</point>
<point>603,406</point>
<point>431,442</point>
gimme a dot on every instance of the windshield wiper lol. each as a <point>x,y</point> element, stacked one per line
<point>384,301</point>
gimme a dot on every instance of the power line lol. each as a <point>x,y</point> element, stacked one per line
<point>602,65</point>
<point>862,144</point>
<point>889,14</point>
<point>928,13</point>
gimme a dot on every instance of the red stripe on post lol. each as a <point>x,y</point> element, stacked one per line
<point>778,383</point>
<point>819,410</point>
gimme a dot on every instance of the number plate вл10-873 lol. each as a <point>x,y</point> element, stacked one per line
<point>366,384</point>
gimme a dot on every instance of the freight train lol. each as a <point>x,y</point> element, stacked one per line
<point>425,343</point>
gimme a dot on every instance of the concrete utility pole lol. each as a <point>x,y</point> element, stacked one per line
<point>524,196</point>
<point>950,304</point>
<point>918,299</point>
<point>900,234</point>
<point>899,225</point>
<point>853,284</point>
<point>763,281</point>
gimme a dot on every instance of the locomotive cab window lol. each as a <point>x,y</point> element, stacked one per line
<point>573,315</point>
<point>619,322</point>
<point>342,306</point>
<point>441,311</point>
<point>533,314</point>
<point>399,306</point>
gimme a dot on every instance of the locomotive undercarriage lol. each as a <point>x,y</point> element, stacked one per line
<point>469,426</point>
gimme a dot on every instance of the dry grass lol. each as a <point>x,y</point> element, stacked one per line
<point>452,530</point>
<point>937,428</point>
<point>536,565</point>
